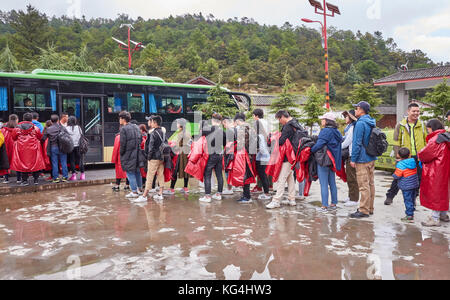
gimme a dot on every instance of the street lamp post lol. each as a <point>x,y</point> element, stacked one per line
<point>334,10</point>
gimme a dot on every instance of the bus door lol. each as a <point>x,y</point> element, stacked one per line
<point>93,127</point>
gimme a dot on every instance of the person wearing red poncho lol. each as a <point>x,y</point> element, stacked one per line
<point>435,185</point>
<point>281,169</point>
<point>115,159</point>
<point>242,169</point>
<point>27,151</point>
<point>6,130</point>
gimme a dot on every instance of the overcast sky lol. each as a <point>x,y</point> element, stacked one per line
<point>414,24</point>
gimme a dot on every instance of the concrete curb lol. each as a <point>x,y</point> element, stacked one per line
<point>6,190</point>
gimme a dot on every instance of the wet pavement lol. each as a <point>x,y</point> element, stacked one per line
<point>95,233</point>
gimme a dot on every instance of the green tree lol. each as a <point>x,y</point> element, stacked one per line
<point>218,102</point>
<point>366,92</point>
<point>352,76</point>
<point>50,59</point>
<point>8,62</point>
<point>286,101</point>
<point>31,32</point>
<point>313,108</point>
<point>78,62</point>
<point>440,96</point>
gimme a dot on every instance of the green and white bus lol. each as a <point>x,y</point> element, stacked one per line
<point>96,100</point>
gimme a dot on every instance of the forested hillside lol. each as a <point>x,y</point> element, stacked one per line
<point>180,48</point>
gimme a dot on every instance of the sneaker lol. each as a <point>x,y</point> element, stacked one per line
<point>24,183</point>
<point>445,219</point>
<point>139,192</point>
<point>408,219</point>
<point>127,188</point>
<point>245,201</point>
<point>256,190</point>
<point>237,189</point>
<point>285,202</point>
<point>36,181</point>
<point>358,215</point>
<point>322,209</point>
<point>217,196</point>
<point>205,199</point>
<point>116,188</point>
<point>227,192</point>
<point>431,222</point>
<point>264,197</point>
<point>332,207</point>
<point>152,191</point>
<point>346,200</point>
<point>73,177</point>
<point>57,180</point>
<point>169,192</point>
<point>300,198</point>
<point>351,203</point>
<point>82,176</point>
<point>388,201</point>
<point>186,190</point>
<point>132,195</point>
<point>64,179</point>
<point>292,203</point>
<point>5,181</point>
<point>140,199</point>
<point>158,197</point>
<point>273,205</point>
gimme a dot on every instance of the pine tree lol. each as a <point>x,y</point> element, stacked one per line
<point>218,102</point>
<point>286,101</point>
<point>366,92</point>
<point>8,62</point>
<point>352,76</point>
<point>50,59</point>
<point>313,108</point>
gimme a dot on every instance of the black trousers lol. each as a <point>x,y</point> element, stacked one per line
<point>35,176</point>
<point>74,158</point>
<point>175,176</point>
<point>393,190</point>
<point>214,163</point>
<point>261,170</point>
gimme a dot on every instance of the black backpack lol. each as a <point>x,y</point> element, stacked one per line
<point>83,143</point>
<point>65,141</point>
<point>164,148</point>
<point>377,143</point>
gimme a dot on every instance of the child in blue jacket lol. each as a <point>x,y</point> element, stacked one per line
<point>408,182</point>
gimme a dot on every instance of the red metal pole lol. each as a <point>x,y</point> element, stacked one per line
<point>327,77</point>
<point>129,49</point>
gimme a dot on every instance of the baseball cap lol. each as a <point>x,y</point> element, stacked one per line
<point>329,116</point>
<point>149,118</point>
<point>364,105</point>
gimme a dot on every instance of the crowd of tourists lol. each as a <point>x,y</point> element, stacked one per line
<point>29,148</point>
<point>241,152</point>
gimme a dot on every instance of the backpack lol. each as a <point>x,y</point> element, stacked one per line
<point>65,141</point>
<point>83,143</point>
<point>164,148</point>
<point>377,143</point>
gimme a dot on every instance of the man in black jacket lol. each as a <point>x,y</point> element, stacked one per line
<point>216,140</point>
<point>130,156</point>
<point>291,131</point>
<point>155,159</point>
<point>56,155</point>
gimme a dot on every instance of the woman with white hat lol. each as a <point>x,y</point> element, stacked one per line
<point>331,138</point>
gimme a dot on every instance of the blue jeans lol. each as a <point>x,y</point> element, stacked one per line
<point>58,157</point>
<point>409,196</point>
<point>327,178</point>
<point>135,180</point>
<point>301,188</point>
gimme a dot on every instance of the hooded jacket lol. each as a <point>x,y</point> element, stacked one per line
<point>435,185</point>
<point>361,135</point>
<point>115,159</point>
<point>27,153</point>
<point>332,138</point>
<point>131,156</point>
<point>198,158</point>
<point>406,174</point>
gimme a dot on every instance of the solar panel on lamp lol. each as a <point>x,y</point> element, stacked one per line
<point>316,4</point>
<point>333,8</point>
